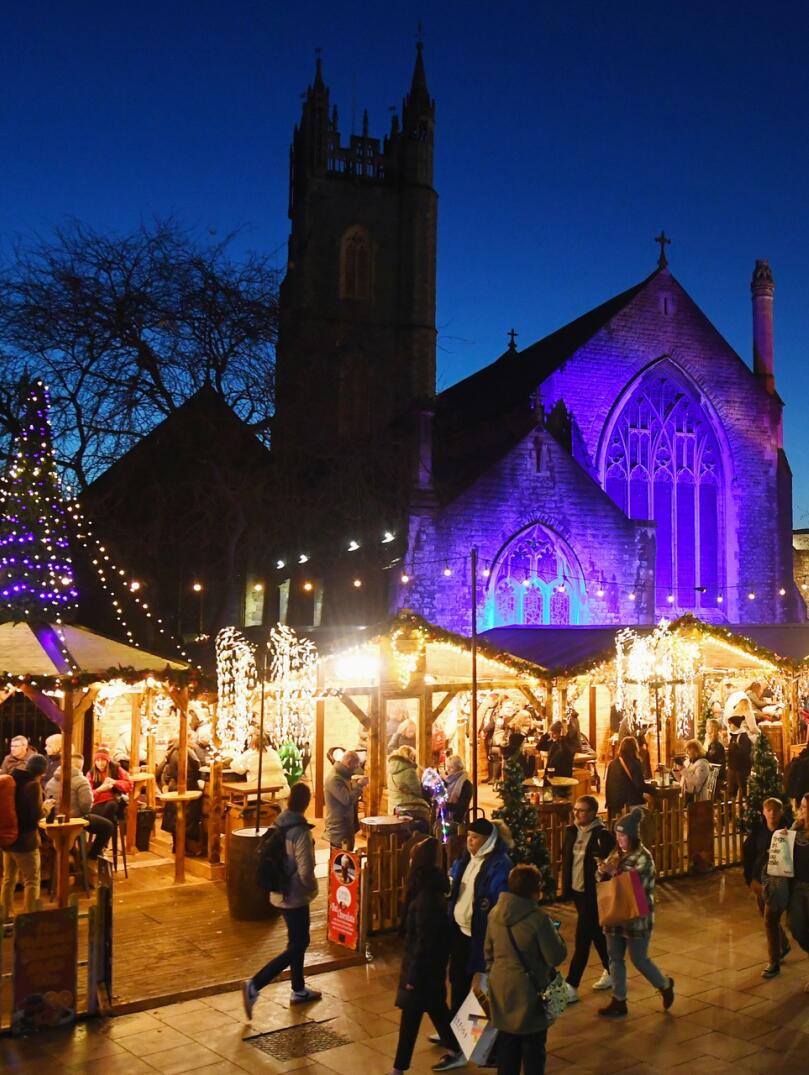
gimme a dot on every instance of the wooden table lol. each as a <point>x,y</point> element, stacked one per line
<point>139,780</point>
<point>181,799</point>
<point>63,836</point>
<point>237,795</point>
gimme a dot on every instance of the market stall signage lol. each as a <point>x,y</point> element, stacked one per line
<point>345,898</point>
<point>45,953</point>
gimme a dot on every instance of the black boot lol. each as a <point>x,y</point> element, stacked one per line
<point>614,1009</point>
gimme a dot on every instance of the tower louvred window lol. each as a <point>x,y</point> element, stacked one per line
<point>355,264</point>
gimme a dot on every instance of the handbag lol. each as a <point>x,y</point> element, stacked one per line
<point>621,899</point>
<point>780,861</point>
<point>553,997</point>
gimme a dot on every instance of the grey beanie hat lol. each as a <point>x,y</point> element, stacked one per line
<point>629,824</point>
<point>37,764</point>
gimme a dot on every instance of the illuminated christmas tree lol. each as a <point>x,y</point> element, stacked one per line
<point>36,573</point>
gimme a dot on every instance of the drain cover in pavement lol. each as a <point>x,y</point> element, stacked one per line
<point>297,1041</point>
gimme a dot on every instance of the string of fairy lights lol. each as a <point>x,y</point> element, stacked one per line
<point>110,575</point>
<point>449,566</point>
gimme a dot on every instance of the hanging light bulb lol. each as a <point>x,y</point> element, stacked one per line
<point>782,592</point>
<point>357,583</point>
<point>405,577</point>
<point>670,598</point>
<point>719,599</point>
<point>486,572</point>
<point>751,596</point>
<point>447,571</point>
<point>632,596</point>
<point>307,586</point>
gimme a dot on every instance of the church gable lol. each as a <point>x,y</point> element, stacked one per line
<point>553,548</point>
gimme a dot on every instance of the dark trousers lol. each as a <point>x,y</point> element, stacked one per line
<point>521,1051</point>
<point>409,1030</point>
<point>101,829</point>
<point>737,784</point>
<point>297,922</point>
<point>460,977</point>
<point>776,938</point>
<point>588,931</point>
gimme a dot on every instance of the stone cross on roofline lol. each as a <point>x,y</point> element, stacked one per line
<point>664,241</point>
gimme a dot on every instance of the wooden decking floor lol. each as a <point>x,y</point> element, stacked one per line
<point>179,941</point>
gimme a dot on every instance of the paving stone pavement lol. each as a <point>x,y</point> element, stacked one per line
<point>707,936</point>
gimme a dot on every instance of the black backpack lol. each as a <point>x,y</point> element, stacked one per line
<point>271,860</point>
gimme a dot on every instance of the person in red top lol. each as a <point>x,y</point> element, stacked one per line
<point>109,782</point>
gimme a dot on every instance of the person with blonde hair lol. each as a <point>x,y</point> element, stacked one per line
<point>459,789</point>
<point>405,794</point>
<point>715,748</point>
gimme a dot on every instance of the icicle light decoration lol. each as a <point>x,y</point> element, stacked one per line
<point>236,681</point>
<point>292,687</point>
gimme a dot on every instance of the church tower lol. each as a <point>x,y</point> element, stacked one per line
<point>356,347</point>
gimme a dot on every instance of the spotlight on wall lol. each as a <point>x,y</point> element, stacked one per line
<point>280,564</point>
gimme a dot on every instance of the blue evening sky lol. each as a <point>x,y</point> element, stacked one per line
<point>568,134</point>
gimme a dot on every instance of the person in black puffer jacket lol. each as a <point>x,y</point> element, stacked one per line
<point>422,979</point>
<point>625,786</point>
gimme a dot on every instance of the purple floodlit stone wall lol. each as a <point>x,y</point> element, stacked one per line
<point>508,500</point>
<point>660,335</point>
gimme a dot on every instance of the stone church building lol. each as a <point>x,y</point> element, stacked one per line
<point>628,466</point>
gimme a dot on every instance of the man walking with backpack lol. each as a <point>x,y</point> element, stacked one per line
<point>288,862</point>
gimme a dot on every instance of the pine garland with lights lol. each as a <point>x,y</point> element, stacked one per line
<point>765,782</point>
<point>521,817</point>
<point>36,572</point>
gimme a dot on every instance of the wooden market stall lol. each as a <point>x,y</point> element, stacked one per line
<point>64,669</point>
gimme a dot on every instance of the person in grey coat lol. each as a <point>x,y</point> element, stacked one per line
<point>341,795</point>
<point>293,903</point>
<point>517,924</point>
<point>81,805</point>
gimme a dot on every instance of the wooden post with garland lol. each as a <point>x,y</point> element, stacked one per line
<point>376,750</point>
<point>320,745</point>
<point>215,790</point>
<point>151,750</point>
<point>67,751</point>
<point>134,766</point>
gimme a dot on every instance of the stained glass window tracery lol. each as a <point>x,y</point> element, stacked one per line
<point>536,581</point>
<point>663,462</point>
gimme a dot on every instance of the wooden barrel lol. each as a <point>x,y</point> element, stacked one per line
<point>247,902</point>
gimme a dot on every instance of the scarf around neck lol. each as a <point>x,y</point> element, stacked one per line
<point>455,782</point>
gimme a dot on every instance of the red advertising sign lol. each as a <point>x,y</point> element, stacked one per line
<point>343,925</point>
<point>45,948</point>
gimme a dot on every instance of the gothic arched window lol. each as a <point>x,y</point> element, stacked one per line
<point>662,461</point>
<point>355,264</point>
<point>536,580</point>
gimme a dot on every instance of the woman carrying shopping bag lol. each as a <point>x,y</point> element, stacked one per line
<point>635,933</point>
<point>522,949</point>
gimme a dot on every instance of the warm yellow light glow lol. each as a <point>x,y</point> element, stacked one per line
<point>405,578</point>
<point>258,588</point>
<point>197,587</point>
<point>134,586</point>
<point>307,586</point>
<point>357,583</point>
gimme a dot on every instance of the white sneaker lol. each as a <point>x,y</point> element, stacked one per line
<point>572,994</point>
<point>604,982</point>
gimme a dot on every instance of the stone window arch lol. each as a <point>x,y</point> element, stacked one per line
<point>356,264</point>
<point>662,460</point>
<point>536,580</point>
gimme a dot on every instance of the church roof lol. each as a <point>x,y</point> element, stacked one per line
<point>501,391</point>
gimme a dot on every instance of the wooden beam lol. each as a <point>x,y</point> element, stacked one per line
<point>352,707</point>
<point>215,804</point>
<point>45,704</point>
<point>424,729</point>
<point>592,706</point>
<point>320,750</point>
<point>67,751</point>
<point>529,695</point>
<point>375,763</point>
<point>182,787</point>
<point>442,705</point>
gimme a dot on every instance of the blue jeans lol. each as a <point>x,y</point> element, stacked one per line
<point>297,922</point>
<point>639,954</point>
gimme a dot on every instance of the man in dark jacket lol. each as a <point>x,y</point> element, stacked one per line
<point>23,855</point>
<point>755,853</point>
<point>560,754</point>
<point>20,750</point>
<point>586,841</point>
<point>796,777</point>
<point>478,877</point>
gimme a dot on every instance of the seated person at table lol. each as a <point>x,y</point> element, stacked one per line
<point>167,777</point>
<point>81,805</point>
<point>122,748</point>
<point>20,750</point>
<point>459,790</point>
<point>111,786</point>
<point>53,755</point>
<point>272,769</point>
<point>560,756</point>
<point>573,733</point>
<point>625,784</point>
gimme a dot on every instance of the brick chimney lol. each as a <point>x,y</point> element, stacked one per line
<point>762,288</point>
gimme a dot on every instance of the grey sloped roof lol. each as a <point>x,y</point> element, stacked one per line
<point>483,416</point>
